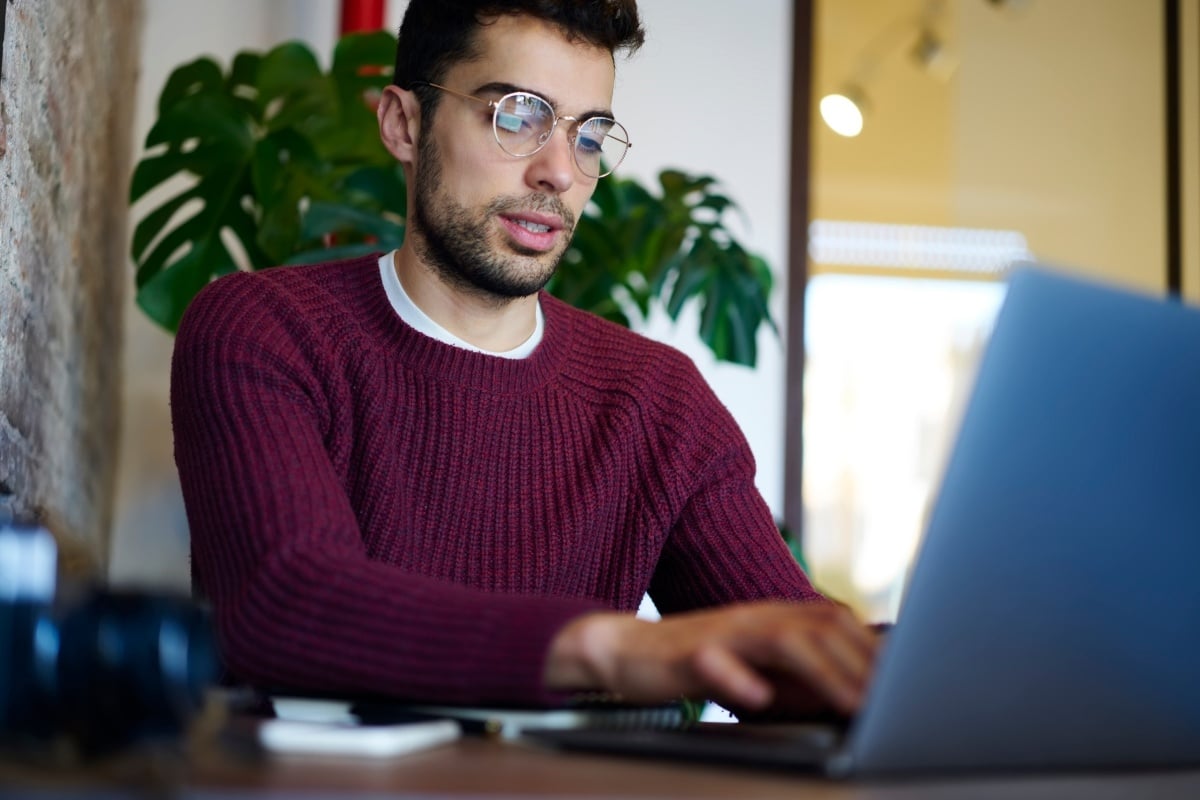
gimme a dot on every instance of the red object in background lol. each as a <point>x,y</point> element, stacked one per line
<point>361,15</point>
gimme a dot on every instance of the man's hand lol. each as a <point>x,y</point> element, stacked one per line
<point>777,656</point>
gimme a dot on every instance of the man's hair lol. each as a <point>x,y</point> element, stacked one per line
<point>437,34</point>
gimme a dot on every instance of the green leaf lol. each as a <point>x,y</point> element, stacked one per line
<point>209,128</point>
<point>155,170</point>
<point>288,69</point>
<point>154,222</point>
<point>325,218</point>
<point>243,74</point>
<point>691,280</point>
<point>362,65</point>
<point>207,117</point>
<point>320,254</point>
<point>673,246</point>
<point>165,297</point>
<point>200,75</point>
<point>175,239</point>
<point>358,50</point>
<point>383,187</point>
<point>285,171</point>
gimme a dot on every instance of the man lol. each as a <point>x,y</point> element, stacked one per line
<point>420,476</point>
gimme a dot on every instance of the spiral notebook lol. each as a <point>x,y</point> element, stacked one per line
<point>588,711</point>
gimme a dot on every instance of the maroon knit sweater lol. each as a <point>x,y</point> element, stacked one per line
<point>375,511</point>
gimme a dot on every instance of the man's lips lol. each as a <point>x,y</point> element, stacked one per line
<point>531,230</point>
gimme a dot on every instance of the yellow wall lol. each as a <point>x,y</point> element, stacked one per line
<point>1060,132</point>
<point>901,168</point>
<point>1189,21</point>
<point>1052,125</point>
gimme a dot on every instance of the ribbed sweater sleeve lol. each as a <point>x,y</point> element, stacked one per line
<point>374,511</point>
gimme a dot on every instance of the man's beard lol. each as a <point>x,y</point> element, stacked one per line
<point>456,244</point>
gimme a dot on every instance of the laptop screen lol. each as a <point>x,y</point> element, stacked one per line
<point>1051,619</point>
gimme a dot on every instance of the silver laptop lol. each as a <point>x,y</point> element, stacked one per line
<point>1052,619</point>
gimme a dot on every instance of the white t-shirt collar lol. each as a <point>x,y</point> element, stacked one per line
<point>419,320</point>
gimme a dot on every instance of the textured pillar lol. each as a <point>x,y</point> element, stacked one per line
<point>69,72</point>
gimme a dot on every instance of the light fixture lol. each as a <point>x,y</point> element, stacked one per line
<point>845,243</point>
<point>844,111</point>
<point>929,48</point>
<point>933,55</point>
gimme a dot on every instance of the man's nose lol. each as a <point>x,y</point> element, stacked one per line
<point>552,169</point>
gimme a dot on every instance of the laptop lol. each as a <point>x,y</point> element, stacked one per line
<point>1052,618</point>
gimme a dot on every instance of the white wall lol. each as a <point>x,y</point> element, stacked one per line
<point>709,92</point>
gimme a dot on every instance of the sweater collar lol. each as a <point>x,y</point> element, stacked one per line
<point>442,361</point>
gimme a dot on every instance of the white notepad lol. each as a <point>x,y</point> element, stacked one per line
<point>345,739</point>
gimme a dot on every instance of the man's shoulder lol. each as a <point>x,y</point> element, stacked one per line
<point>615,343</point>
<point>607,360</point>
<point>310,292</point>
<point>615,370</point>
<point>289,280</point>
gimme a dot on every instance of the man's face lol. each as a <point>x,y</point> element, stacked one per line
<point>489,222</point>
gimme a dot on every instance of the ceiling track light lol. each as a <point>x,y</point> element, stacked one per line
<point>845,110</point>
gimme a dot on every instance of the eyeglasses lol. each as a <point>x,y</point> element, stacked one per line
<point>523,123</point>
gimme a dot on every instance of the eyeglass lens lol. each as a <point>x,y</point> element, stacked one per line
<point>524,122</point>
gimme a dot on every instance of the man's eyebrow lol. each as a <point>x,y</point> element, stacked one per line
<point>501,88</point>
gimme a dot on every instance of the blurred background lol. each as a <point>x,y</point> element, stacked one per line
<point>992,131</point>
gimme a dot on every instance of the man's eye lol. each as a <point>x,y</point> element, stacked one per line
<point>592,135</point>
<point>590,145</point>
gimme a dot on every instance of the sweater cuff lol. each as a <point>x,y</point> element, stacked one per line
<point>514,643</point>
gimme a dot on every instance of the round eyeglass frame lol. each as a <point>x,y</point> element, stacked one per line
<point>543,138</point>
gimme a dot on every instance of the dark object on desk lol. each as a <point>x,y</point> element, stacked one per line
<point>103,668</point>
<point>587,711</point>
<point>1051,619</point>
<point>800,747</point>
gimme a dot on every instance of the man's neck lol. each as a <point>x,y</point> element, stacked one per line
<point>482,321</point>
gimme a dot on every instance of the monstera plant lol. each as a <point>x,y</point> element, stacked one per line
<point>279,162</point>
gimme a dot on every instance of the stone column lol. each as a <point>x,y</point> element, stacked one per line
<point>67,95</point>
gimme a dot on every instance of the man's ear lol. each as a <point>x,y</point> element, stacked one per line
<point>399,123</point>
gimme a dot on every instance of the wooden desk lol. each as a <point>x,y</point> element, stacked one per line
<point>482,768</point>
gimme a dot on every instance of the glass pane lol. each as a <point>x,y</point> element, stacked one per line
<point>977,116</point>
<point>889,364</point>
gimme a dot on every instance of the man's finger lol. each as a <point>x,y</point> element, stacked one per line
<point>850,657</point>
<point>812,657</point>
<point>730,679</point>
